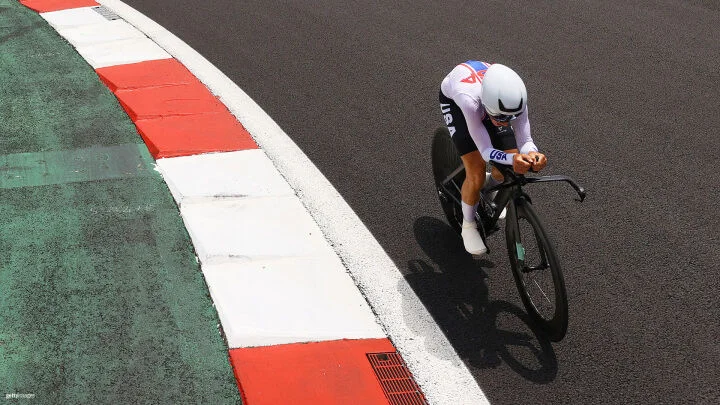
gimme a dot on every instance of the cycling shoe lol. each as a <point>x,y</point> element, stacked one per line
<point>472,240</point>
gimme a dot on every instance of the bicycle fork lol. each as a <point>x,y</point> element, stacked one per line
<point>515,243</point>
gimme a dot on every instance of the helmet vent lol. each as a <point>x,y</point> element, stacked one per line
<point>505,109</point>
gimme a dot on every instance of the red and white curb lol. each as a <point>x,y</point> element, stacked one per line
<point>285,258</point>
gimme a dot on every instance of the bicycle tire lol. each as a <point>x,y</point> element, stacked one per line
<point>555,326</point>
<point>445,159</point>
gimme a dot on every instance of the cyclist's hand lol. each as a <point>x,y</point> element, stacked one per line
<point>522,163</point>
<point>539,160</point>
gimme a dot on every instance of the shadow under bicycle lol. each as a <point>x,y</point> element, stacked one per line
<point>454,289</point>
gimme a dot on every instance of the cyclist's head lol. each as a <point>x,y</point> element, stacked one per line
<point>503,93</point>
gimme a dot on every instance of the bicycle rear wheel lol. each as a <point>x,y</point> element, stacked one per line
<point>536,270</point>
<point>445,159</point>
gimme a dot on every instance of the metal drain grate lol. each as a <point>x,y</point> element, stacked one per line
<point>107,13</point>
<point>397,383</point>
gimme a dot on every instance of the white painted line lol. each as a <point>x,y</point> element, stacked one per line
<point>247,173</point>
<point>252,228</point>
<point>98,33</point>
<point>436,366</point>
<point>73,17</point>
<point>289,300</point>
<point>122,52</point>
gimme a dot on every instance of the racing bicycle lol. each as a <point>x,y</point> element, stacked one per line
<point>534,262</point>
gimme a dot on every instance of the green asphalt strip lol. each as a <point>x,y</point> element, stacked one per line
<point>101,296</point>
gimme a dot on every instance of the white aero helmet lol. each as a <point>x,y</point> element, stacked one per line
<point>503,92</point>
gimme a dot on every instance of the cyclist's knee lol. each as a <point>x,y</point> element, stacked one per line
<point>475,177</point>
<point>474,168</point>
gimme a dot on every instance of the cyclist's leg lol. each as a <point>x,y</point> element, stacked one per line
<point>503,139</point>
<point>468,151</point>
<point>470,195</point>
<point>474,173</point>
<point>474,177</point>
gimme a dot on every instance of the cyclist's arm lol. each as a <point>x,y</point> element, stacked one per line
<point>473,113</point>
<point>524,140</point>
<point>521,127</point>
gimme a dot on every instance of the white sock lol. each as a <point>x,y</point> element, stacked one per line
<point>469,211</point>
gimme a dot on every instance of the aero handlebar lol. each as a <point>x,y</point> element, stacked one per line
<point>512,179</point>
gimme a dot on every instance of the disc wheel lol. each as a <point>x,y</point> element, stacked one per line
<point>445,160</point>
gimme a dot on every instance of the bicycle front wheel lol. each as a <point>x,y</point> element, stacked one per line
<point>536,270</point>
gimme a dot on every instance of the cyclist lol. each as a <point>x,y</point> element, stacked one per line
<point>485,109</point>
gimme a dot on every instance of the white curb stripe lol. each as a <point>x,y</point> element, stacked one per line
<point>73,17</point>
<point>102,42</point>
<point>289,301</point>
<point>85,35</point>
<point>253,228</point>
<point>247,173</point>
<point>122,52</point>
<point>272,276</point>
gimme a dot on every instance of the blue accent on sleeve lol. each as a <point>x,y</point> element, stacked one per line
<point>477,65</point>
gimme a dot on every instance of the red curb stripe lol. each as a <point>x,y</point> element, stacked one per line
<point>154,102</point>
<point>44,6</point>
<point>174,112</point>
<point>194,134</point>
<point>164,72</point>
<point>333,372</point>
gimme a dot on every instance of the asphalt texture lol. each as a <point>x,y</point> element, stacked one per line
<point>101,295</point>
<point>622,98</point>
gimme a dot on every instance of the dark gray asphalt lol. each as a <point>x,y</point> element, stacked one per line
<point>623,98</point>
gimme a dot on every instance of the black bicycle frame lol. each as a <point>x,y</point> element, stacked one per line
<point>509,189</point>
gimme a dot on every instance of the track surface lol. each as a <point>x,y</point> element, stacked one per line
<point>623,97</point>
